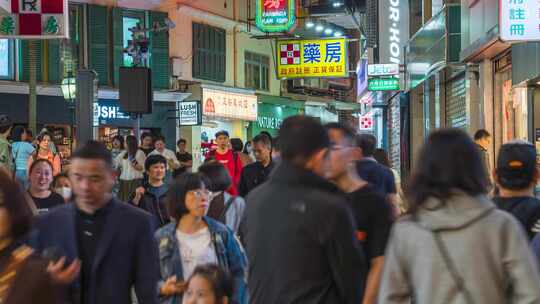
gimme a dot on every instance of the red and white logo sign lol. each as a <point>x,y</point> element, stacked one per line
<point>290,53</point>
<point>366,122</point>
<point>41,19</point>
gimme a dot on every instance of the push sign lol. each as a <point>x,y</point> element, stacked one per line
<point>190,113</point>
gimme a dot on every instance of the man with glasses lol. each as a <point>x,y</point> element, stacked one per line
<point>373,214</point>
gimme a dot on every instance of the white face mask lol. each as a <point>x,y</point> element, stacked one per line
<point>65,192</point>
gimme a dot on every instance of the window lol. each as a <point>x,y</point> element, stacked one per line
<point>6,59</point>
<point>257,68</point>
<point>209,52</point>
<point>128,22</point>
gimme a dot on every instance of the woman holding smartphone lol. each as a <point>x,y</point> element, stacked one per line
<point>131,166</point>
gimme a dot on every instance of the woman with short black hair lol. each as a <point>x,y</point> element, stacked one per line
<point>455,246</point>
<point>193,239</point>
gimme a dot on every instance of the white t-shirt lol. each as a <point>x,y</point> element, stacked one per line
<point>195,249</point>
<point>129,173</point>
<point>168,154</point>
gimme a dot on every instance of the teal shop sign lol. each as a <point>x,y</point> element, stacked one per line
<point>270,117</point>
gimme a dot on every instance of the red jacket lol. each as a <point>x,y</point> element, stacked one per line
<point>233,163</point>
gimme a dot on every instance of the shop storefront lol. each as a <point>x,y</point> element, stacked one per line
<point>272,110</point>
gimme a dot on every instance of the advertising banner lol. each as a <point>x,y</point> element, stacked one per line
<point>519,20</point>
<point>190,113</point>
<point>217,103</point>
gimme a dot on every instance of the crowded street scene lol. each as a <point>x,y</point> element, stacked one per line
<point>269,152</point>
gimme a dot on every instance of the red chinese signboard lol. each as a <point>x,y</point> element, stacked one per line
<point>275,15</point>
<point>35,19</point>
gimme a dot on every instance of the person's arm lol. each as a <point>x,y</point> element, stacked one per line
<point>57,165</point>
<point>147,264</point>
<point>30,162</point>
<point>373,280</point>
<point>237,267</point>
<point>520,266</point>
<point>394,286</point>
<point>346,259</point>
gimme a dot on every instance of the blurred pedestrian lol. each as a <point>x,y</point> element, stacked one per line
<point>482,139</point>
<point>238,147</point>
<point>379,176</point>
<point>23,275</point>
<point>117,146</point>
<point>209,284</point>
<point>194,239</point>
<point>170,156</point>
<point>147,143</point>
<point>456,247</point>
<point>373,214</point>
<point>300,237</point>
<point>113,240</point>
<point>152,194</point>
<point>62,185</point>
<point>381,156</point>
<point>184,157</point>
<point>22,151</point>
<point>516,176</point>
<point>131,166</point>
<point>257,173</point>
<point>230,159</point>
<point>225,208</point>
<point>41,177</point>
<point>44,151</point>
<point>6,154</point>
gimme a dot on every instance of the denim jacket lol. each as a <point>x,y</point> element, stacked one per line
<point>229,252</point>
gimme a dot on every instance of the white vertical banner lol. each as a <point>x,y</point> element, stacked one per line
<point>393,30</point>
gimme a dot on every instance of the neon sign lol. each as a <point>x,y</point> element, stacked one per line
<point>275,15</point>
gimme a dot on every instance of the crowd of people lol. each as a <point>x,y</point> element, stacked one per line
<point>315,215</point>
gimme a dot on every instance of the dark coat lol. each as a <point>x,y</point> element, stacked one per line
<point>153,205</point>
<point>254,175</point>
<point>301,244</point>
<point>126,257</point>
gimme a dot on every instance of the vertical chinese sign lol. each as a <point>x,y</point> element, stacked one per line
<point>519,20</point>
<point>35,19</point>
<point>275,15</point>
<point>312,58</point>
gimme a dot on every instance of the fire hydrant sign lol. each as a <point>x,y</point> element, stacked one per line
<point>519,20</point>
<point>275,15</point>
<point>35,19</point>
<point>312,58</point>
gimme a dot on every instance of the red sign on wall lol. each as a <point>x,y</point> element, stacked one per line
<point>35,19</point>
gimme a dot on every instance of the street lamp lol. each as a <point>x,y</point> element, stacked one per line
<point>69,90</point>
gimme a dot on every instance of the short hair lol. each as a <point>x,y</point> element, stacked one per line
<point>222,133</point>
<point>300,137</point>
<point>516,165</point>
<point>42,135</point>
<point>147,134</point>
<point>57,178</point>
<point>159,138</point>
<point>481,134</point>
<point>153,160</point>
<point>176,197</point>
<point>221,281</point>
<point>181,141</point>
<point>37,162</point>
<point>237,144</point>
<point>13,199</point>
<point>267,134</point>
<point>5,123</point>
<point>93,150</point>
<point>381,157</point>
<point>17,132</point>
<point>450,161</point>
<point>119,138</point>
<point>348,132</point>
<point>263,139</point>
<point>217,175</point>
<point>366,142</point>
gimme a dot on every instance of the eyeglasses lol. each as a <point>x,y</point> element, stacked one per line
<point>199,194</point>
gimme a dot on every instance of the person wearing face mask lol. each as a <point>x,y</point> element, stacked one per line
<point>209,284</point>
<point>62,186</point>
<point>41,176</point>
<point>193,239</point>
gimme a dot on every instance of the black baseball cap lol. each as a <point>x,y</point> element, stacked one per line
<point>5,121</point>
<point>516,164</point>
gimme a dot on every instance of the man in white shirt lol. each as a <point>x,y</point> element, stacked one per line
<point>170,156</point>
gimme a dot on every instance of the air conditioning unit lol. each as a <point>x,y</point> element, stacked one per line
<point>177,67</point>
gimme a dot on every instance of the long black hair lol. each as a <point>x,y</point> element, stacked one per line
<point>131,146</point>
<point>448,161</point>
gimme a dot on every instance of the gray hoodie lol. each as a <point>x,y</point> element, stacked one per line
<point>487,247</point>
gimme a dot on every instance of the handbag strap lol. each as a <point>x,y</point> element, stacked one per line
<point>458,279</point>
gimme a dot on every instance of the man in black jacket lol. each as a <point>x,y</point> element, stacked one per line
<point>151,196</point>
<point>257,173</point>
<point>300,233</point>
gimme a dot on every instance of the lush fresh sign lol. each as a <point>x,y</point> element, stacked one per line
<point>312,58</point>
<point>383,84</point>
<point>190,113</point>
<point>519,20</point>
<point>275,15</point>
